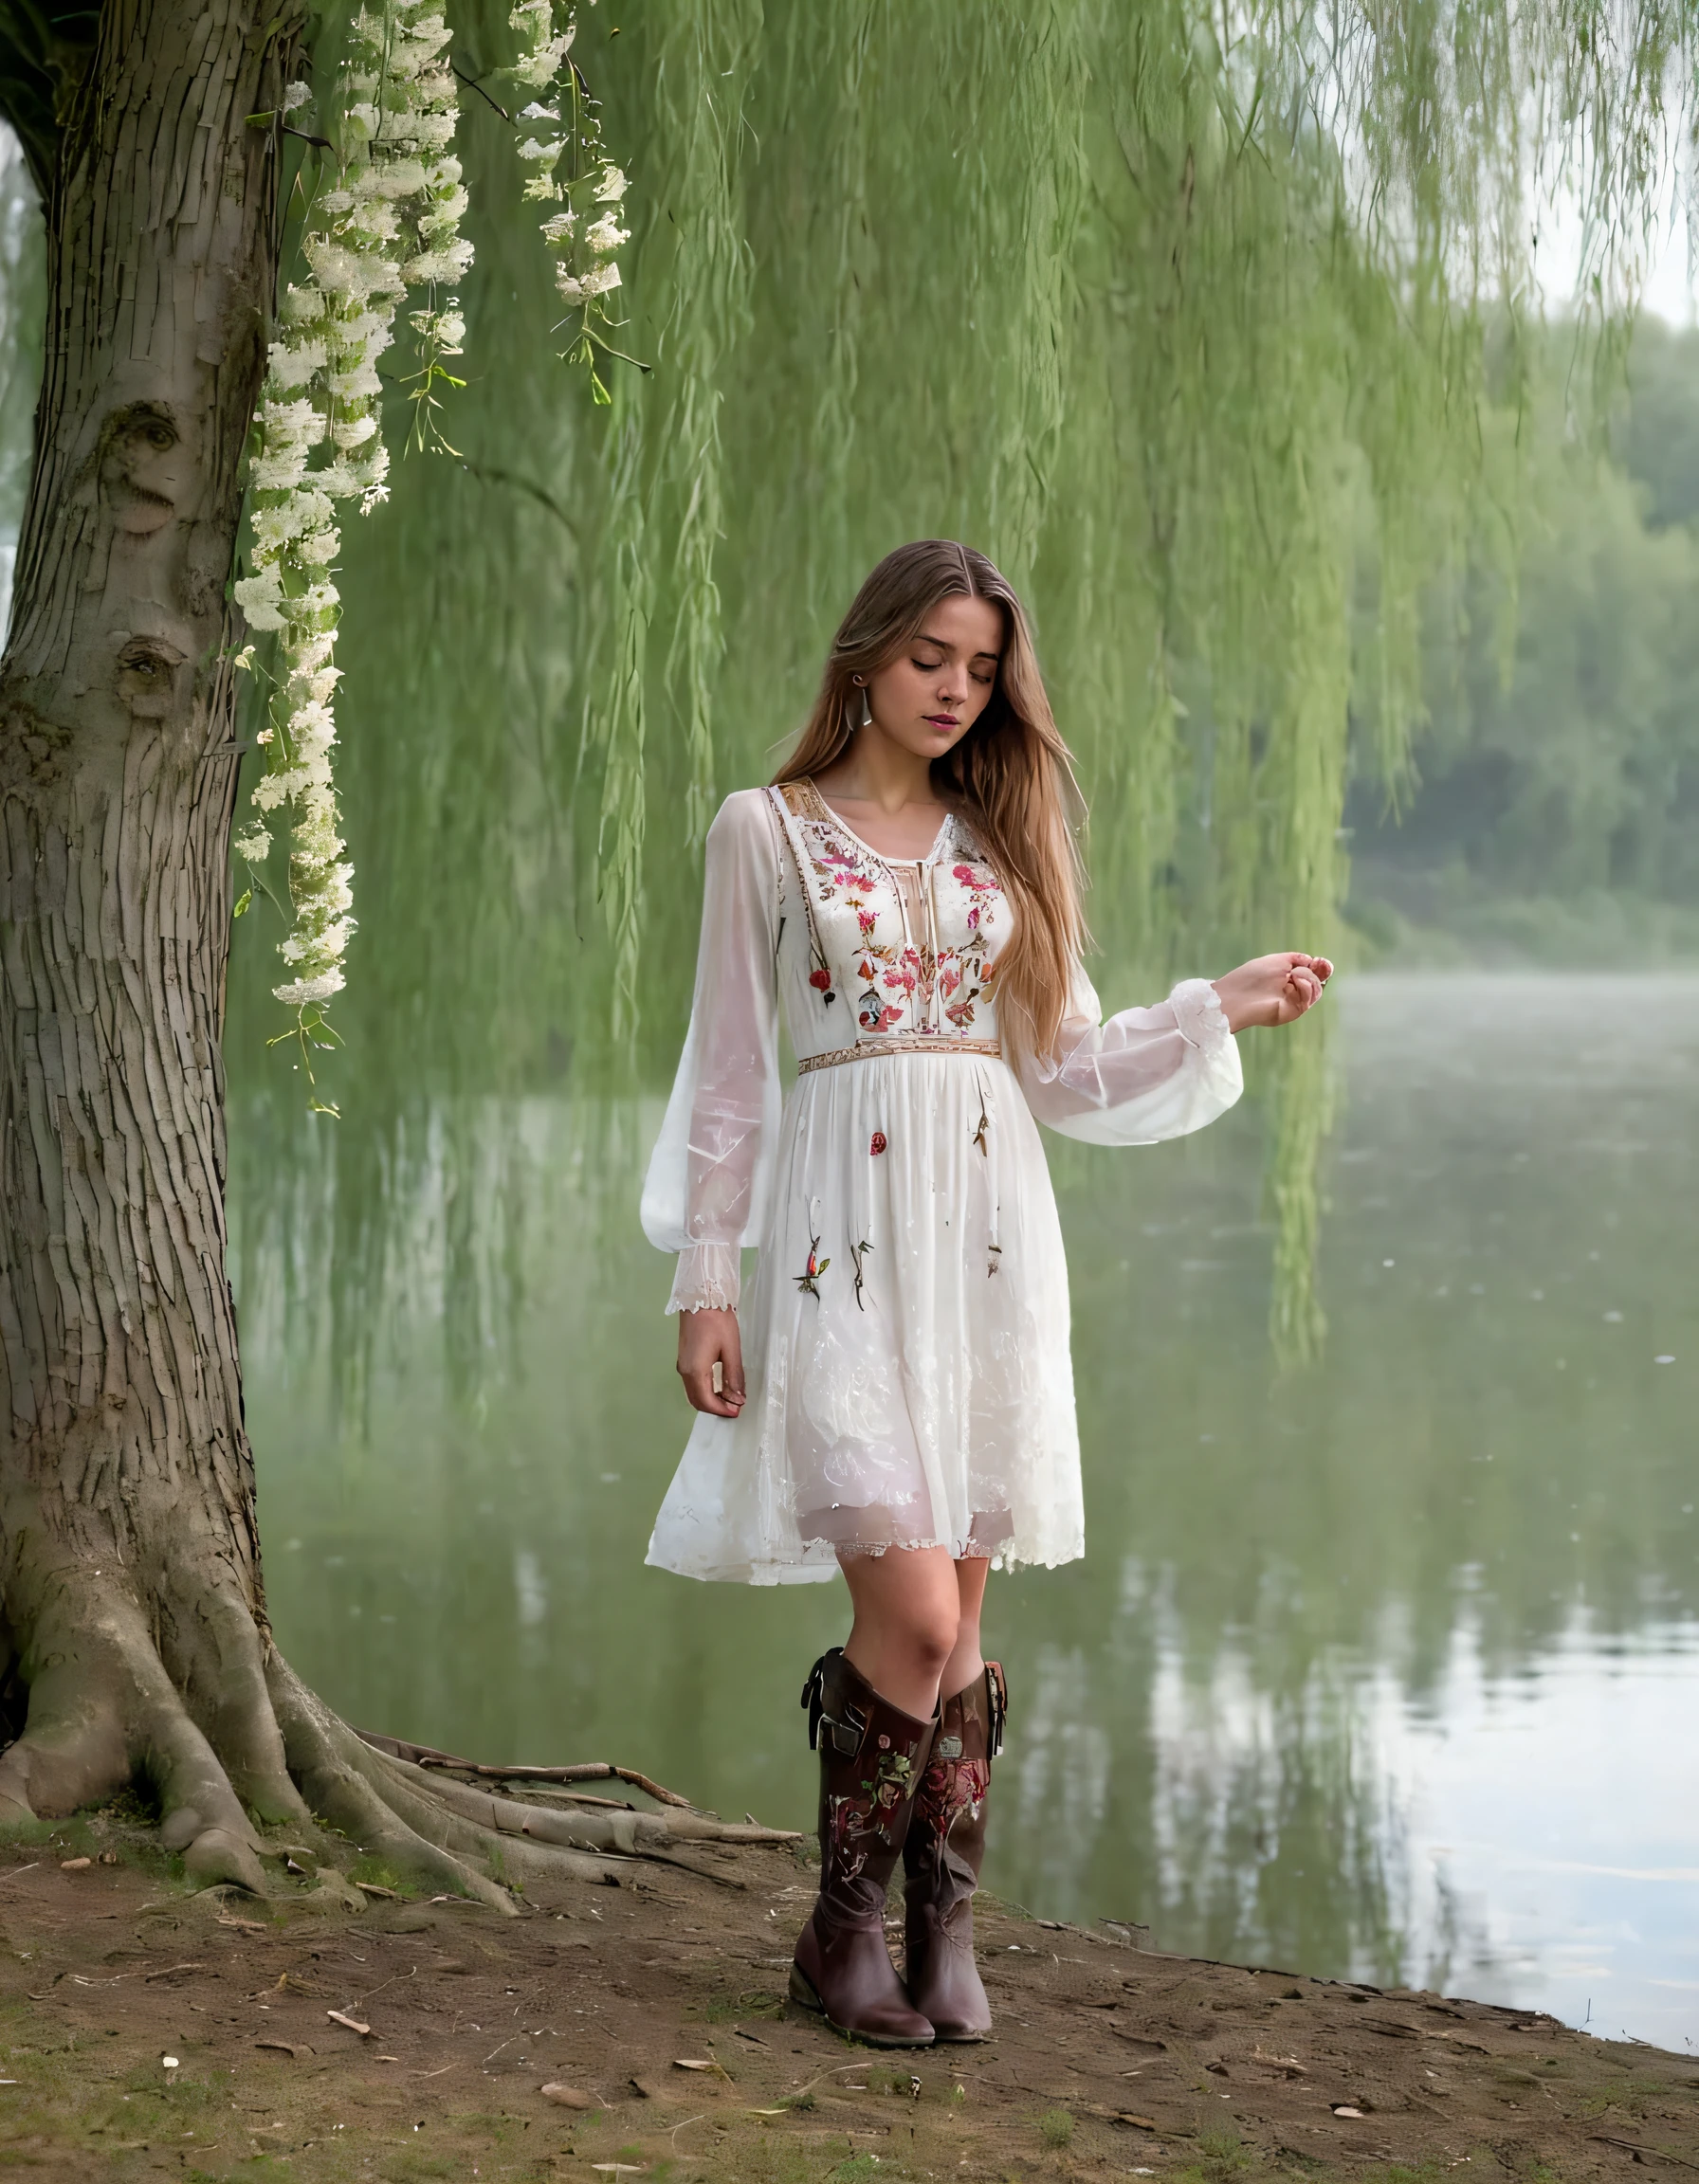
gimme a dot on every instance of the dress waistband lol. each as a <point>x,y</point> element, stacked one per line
<point>900,1043</point>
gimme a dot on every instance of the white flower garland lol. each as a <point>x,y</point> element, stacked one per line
<point>573,172</point>
<point>392,222</point>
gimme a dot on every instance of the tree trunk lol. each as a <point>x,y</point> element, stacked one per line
<point>132,1607</point>
<point>128,1557</point>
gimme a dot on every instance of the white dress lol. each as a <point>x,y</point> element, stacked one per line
<point>905,1337</point>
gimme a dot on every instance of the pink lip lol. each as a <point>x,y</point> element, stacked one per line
<point>941,720</point>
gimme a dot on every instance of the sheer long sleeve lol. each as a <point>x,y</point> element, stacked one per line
<point>1145,1075</point>
<point>709,1177</point>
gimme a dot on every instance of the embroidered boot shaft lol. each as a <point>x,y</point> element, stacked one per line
<point>941,1857</point>
<point>871,1756</point>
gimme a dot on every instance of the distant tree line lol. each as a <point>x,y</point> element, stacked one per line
<point>1553,808</point>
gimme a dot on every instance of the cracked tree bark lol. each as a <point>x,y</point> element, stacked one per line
<point>132,1604</point>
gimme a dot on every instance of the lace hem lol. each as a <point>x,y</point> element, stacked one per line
<point>1199,1014</point>
<point>709,1279</point>
<point>815,1561</point>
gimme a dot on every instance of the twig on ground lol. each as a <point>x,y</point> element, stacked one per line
<point>1640,2153</point>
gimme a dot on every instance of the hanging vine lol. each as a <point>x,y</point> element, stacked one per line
<point>571,172</point>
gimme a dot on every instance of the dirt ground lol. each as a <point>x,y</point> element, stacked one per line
<point>148,2032</point>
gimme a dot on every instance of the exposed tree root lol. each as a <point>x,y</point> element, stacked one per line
<point>103,1709</point>
<point>226,1734</point>
<point>349,1800</point>
<point>517,1828</point>
<point>618,1828</point>
<point>586,1770</point>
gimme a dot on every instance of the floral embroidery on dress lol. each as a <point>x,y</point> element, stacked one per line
<point>817,1266</point>
<point>929,981</point>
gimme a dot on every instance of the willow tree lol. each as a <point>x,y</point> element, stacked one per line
<point>134,1608</point>
<point>1183,330</point>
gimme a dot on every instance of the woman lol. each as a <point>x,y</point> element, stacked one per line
<point>908,890</point>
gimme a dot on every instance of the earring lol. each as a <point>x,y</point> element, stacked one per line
<point>867,706</point>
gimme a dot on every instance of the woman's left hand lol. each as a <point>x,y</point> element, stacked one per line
<point>1273,989</point>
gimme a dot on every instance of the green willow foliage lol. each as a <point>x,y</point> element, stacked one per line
<point>1173,310</point>
<point>1186,334</point>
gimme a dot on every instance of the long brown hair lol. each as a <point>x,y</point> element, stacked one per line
<point>1011,777</point>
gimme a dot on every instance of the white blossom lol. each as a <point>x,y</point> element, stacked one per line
<point>277,473</point>
<point>329,939</point>
<point>356,384</point>
<point>606,236</point>
<point>313,718</point>
<point>541,66</point>
<point>292,363</point>
<point>296,420</point>
<point>302,992</point>
<point>272,789</point>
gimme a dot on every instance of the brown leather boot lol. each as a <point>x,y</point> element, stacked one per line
<point>870,1759</point>
<point>941,1857</point>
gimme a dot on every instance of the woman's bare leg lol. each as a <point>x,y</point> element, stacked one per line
<point>917,1624</point>
<point>907,1618</point>
<point>966,1661</point>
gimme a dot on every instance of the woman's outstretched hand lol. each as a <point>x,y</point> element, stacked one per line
<point>705,1340</point>
<point>1270,990</point>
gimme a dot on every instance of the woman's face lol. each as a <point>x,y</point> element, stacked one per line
<point>929,697</point>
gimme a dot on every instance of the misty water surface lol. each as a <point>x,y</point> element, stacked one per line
<point>1384,1668</point>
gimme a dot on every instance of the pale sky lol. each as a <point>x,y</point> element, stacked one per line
<point>1668,291</point>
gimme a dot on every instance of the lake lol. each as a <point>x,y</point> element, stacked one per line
<point>1385,1668</point>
